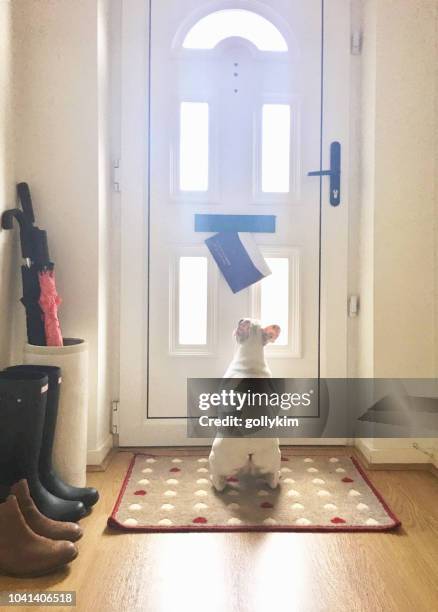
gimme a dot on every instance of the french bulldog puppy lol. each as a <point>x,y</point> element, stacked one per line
<point>229,456</point>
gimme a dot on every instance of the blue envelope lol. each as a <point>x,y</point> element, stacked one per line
<point>238,258</point>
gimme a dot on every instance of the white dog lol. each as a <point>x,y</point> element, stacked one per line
<point>231,455</point>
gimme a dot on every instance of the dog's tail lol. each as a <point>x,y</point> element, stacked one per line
<point>250,468</point>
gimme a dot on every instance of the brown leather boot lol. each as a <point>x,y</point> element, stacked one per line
<point>24,553</point>
<point>40,524</point>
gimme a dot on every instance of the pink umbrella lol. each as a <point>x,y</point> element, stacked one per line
<point>49,302</point>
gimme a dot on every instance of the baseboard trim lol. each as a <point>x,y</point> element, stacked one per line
<point>392,455</point>
<point>372,465</point>
<point>97,460</point>
<point>434,469</point>
<point>364,455</point>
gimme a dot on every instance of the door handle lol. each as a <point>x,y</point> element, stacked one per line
<point>334,173</point>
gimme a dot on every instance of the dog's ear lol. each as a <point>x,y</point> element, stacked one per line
<point>242,331</point>
<point>270,333</point>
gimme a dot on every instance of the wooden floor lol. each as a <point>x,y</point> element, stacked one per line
<point>363,572</point>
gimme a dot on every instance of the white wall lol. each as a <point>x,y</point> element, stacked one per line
<point>104,319</point>
<point>435,446</point>
<point>7,178</point>
<point>398,320</point>
<point>367,112</point>
<point>399,200</point>
<point>62,143</point>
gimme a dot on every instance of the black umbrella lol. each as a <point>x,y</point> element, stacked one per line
<point>23,193</point>
<point>34,315</point>
<point>35,251</point>
<point>26,230</point>
<point>29,275</point>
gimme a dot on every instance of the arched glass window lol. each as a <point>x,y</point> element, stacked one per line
<point>209,31</point>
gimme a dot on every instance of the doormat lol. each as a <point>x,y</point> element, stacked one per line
<point>173,493</point>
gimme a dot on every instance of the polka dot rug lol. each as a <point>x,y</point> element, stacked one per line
<point>316,493</point>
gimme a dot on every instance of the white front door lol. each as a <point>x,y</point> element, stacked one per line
<point>240,101</point>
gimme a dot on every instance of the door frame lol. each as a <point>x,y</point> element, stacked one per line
<point>134,428</point>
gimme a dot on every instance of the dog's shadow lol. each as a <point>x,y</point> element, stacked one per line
<point>247,496</point>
